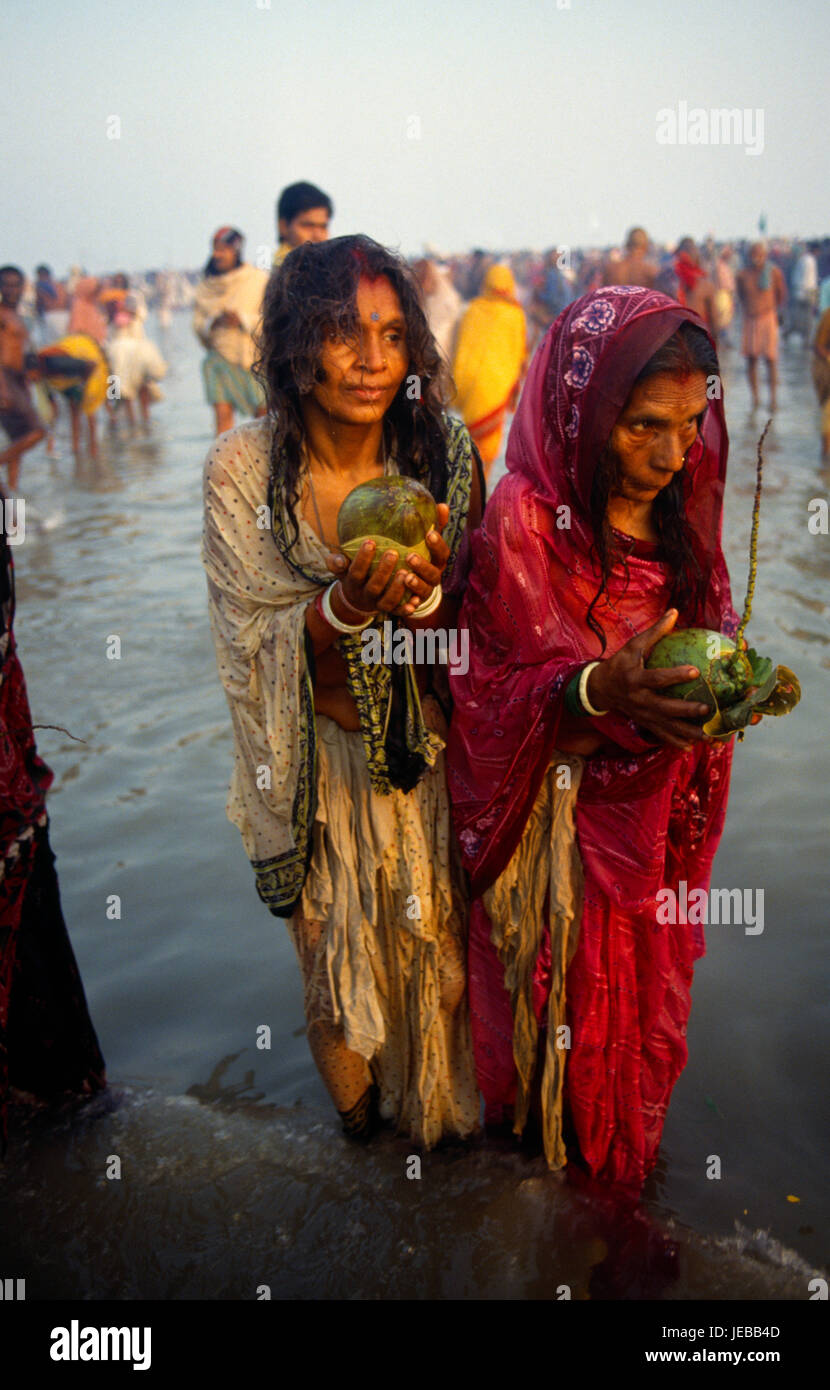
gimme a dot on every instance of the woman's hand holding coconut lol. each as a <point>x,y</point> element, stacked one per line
<point>622,683</point>
<point>389,589</point>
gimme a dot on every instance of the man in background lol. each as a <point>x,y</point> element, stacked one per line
<point>804,286</point>
<point>763,294</point>
<point>694,288</point>
<point>18,416</point>
<point>635,267</point>
<point>303,214</point>
<point>51,305</point>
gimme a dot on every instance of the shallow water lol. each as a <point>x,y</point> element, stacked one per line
<point>245,1180</point>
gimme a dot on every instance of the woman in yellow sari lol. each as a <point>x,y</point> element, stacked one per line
<point>77,367</point>
<point>489,361</point>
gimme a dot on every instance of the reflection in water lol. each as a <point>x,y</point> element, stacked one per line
<point>234,1173</point>
<point>213,1092</point>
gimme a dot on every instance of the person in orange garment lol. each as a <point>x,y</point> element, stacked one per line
<point>18,416</point>
<point>489,361</point>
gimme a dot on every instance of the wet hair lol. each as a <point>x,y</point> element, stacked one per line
<point>313,294</point>
<point>687,350</point>
<point>302,197</point>
<point>12,270</point>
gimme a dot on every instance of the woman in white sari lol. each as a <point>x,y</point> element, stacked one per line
<point>226,311</point>
<point>339,788</point>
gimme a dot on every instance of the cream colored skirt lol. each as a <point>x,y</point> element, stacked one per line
<point>542,884</point>
<point>381,938</point>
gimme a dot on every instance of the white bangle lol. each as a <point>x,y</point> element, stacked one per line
<point>425,609</point>
<point>583,692</point>
<point>331,616</point>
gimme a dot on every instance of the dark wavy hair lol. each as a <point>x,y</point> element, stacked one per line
<point>314,292</point>
<point>302,197</point>
<point>689,349</point>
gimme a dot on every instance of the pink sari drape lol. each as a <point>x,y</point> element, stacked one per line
<point>647,815</point>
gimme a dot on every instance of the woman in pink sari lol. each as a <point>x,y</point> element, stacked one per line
<point>579,789</point>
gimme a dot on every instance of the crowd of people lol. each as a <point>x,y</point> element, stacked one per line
<point>84,339</point>
<point>776,289</point>
<point>468,859</point>
<point>488,313</point>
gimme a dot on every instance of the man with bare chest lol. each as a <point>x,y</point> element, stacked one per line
<point>635,267</point>
<point>763,294</point>
<point>18,416</point>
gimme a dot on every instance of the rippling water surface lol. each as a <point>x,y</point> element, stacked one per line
<point>233,1173</point>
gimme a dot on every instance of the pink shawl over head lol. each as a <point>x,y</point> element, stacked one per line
<point>647,814</point>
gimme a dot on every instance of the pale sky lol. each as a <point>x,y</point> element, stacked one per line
<point>458,123</point>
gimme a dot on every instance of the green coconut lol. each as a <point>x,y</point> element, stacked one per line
<point>396,513</point>
<point>735,685</point>
<point>724,672</point>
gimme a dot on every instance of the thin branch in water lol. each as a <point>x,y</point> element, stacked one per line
<point>61,730</point>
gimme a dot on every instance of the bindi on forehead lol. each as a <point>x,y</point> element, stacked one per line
<point>376,298</point>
